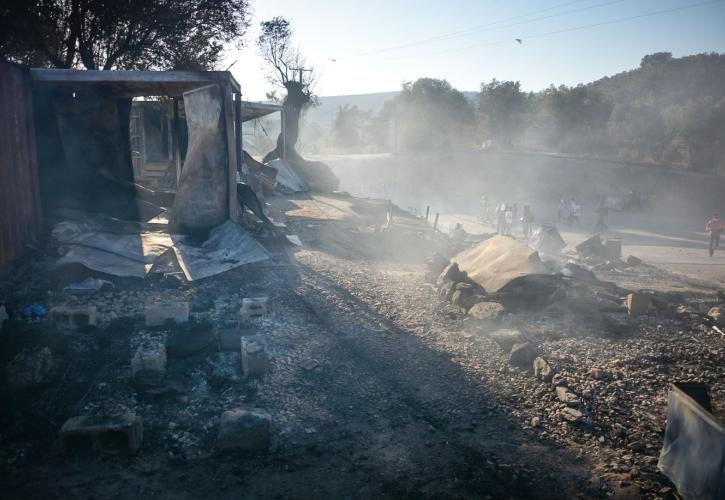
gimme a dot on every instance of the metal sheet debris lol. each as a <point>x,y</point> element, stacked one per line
<point>287,178</point>
<point>496,262</point>
<point>229,246</point>
<point>693,453</point>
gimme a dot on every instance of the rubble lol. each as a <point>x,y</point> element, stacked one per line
<point>247,430</point>
<point>105,434</point>
<point>3,316</point>
<point>507,338</point>
<point>571,415</point>
<point>189,338</point>
<point>633,261</point>
<point>157,313</point>
<point>29,368</point>
<point>717,314</point>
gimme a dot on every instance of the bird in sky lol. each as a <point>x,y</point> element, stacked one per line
<point>518,40</point>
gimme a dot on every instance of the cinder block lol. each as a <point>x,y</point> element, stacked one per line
<point>122,434</point>
<point>638,303</point>
<point>158,313</point>
<point>253,308</point>
<point>148,365</point>
<point>245,430</point>
<point>613,249</point>
<point>255,360</point>
<point>73,317</point>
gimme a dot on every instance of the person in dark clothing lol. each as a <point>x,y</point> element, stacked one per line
<point>602,212</point>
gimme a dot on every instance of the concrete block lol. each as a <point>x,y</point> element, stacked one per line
<point>158,313</point>
<point>148,366</point>
<point>122,434</point>
<point>613,249</point>
<point>73,317</point>
<point>245,430</point>
<point>253,308</point>
<point>638,303</point>
<point>255,360</point>
<point>29,368</point>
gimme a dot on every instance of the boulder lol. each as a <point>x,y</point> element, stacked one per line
<point>487,311</point>
<point>245,430</point>
<point>446,290</point>
<point>542,369</point>
<point>523,355</point>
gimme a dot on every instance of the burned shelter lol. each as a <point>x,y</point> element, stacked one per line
<point>75,149</point>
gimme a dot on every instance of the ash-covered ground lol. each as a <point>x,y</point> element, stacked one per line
<point>377,386</point>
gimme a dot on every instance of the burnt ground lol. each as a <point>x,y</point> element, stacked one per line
<point>377,388</point>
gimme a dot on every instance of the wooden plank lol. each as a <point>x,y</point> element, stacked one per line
<point>232,160</point>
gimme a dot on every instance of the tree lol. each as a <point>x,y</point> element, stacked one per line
<point>288,69</point>
<point>430,114</point>
<point>503,106</point>
<point>121,34</point>
<point>350,127</point>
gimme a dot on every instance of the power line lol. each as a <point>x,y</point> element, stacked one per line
<point>454,34</point>
<point>556,32</point>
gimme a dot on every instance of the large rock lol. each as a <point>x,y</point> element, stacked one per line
<point>507,338</point>
<point>523,355</point>
<point>245,430</point>
<point>29,368</point>
<point>717,314</point>
<point>486,311</point>
<point>542,369</point>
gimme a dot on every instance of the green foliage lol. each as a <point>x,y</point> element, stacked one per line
<point>123,34</point>
<point>503,107</point>
<point>351,128</point>
<point>428,114</point>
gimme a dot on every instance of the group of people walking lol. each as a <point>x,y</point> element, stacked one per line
<point>508,220</point>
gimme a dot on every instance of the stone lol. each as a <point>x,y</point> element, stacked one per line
<point>230,339</point>
<point>522,355</point>
<point>148,365</point>
<point>535,422</point>
<point>189,339</point>
<point>638,303</point>
<point>506,339</point>
<point>598,373</point>
<point>634,261</point>
<point>571,414</point>
<point>465,297</point>
<point>486,311</point>
<point>577,272</point>
<point>29,368</point>
<point>159,313</point>
<point>542,370</point>
<point>105,434</point>
<point>252,308</point>
<point>255,360</point>
<point>245,430</point>
<point>73,317</point>
<point>717,314</point>
<point>566,396</point>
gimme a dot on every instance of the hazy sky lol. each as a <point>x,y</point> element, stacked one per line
<point>469,41</point>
